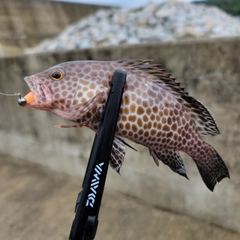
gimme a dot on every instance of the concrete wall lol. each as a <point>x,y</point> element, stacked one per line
<point>210,72</point>
<point>23,23</point>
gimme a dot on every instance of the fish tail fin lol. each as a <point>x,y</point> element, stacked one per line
<point>211,167</point>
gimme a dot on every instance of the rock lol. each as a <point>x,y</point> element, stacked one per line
<point>169,21</point>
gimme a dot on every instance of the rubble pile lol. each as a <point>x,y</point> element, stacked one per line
<point>156,22</point>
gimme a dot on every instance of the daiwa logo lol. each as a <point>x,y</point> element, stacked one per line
<point>94,185</point>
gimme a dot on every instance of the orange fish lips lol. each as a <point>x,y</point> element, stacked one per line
<point>40,95</point>
<point>23,101</point>
<point>29,97</point>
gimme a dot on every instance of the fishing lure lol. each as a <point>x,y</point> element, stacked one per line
<point>21,100</point>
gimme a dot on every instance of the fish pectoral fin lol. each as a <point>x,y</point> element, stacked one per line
<point>117,154</point>
<point>170,158</point>
<point>89,93</point>
<point>92,110</point>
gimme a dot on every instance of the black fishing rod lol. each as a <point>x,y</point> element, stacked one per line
<point>88,202</point>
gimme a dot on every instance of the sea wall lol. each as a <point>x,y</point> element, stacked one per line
<point>24,23</point>
<point>209,70</point>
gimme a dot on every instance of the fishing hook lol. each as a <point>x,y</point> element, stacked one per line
<point>21,100</point>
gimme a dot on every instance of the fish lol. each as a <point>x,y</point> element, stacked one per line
<point>155,111</point>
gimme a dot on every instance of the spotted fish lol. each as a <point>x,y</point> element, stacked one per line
<point>155,111</point>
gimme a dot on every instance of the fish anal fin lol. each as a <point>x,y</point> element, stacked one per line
<point>172,159</point>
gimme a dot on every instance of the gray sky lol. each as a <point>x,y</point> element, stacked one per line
<point>122,3</point>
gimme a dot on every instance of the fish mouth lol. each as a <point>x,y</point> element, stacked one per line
<point>39,96</point>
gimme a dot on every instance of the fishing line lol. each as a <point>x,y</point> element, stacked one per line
<point>21,100</point>
<point>11,94</point>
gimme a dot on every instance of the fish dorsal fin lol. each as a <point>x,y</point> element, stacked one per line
<point>201,116</point>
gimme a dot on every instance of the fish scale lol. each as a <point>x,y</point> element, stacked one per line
<point>155,111</point>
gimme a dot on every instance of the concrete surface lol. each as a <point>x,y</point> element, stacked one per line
<point>36,203</point>
<point>24,23</point>
<point>210,72</point>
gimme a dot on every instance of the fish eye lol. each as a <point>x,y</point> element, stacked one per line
<point>57,75</point>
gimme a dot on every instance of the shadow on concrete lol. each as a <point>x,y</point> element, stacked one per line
<point>36,203</point>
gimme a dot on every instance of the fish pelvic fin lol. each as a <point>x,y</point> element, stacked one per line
<point>117,154</point>
<point>211,167</point>
<point>170,158</point>
<point>126,144</point>
<point>69,126</point>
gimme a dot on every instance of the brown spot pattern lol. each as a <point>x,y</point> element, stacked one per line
<point>150,114</point>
